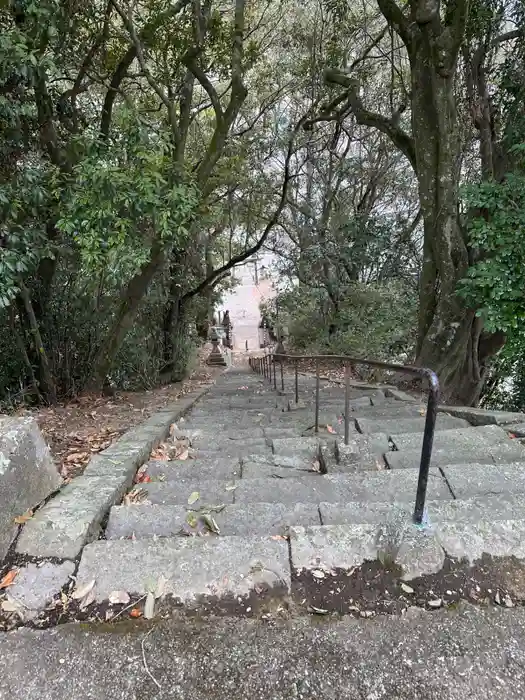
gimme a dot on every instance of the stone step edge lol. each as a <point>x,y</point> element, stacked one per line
<point>74,516</point>
<point>199,571</point>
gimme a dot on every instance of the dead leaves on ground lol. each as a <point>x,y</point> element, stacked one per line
<point>22,519</point>
<point>8,579</point>
<point>135,496</point>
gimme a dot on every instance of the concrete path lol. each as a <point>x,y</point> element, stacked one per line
<point>463,654</point>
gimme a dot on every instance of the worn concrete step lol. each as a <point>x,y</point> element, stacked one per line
<point>388,486</point>
<point>416,551</point>
<point>195,569</point>
<point>479,453</point>
<point>480,416</point>
<point>407,425</point>
<point>363,453</point>
<point>202,492</point>
<point>307,446</point>
<point>454,439</point>
<point>254,469</point>
<point>390,411</point>
<point>503,506</point>
<point>467,480</point>
<point>208,468</point>
<point>142,521</point>
<point>234,449</point>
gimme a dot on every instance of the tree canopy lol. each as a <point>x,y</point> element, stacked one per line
<point>147,148</point>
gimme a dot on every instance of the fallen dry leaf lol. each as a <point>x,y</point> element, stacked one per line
<point>9,578</point>
<point>278,537</point>
<point>82,591</point>
<point>135,612</point>
<point>118,597</point>
<point>10,605</point>
<point>330,429</point>
<point>22,519</point>
<point>183,455</point>
<point>149,606</point>
<point>135,496</point>
<point>77,456</point>
<point>193,498</point>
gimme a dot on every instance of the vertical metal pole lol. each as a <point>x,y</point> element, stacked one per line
<point>296,381</point>
<point>426,452</point>
<point>317,397</point>
<point>266,367</point>
<point>274,373</point>
<point>282,376</point>
<point>347,404</point>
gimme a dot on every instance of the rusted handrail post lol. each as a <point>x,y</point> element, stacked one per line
<point>296,363</point>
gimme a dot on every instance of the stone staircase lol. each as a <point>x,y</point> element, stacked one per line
<point>307,521</point>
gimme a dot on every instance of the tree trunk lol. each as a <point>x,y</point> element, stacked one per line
<point>449,335</point>
<point>129,304</point>
<point>176,342</point>
<point>47,381</point>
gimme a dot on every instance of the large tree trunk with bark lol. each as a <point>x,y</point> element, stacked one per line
<point>450,336</point>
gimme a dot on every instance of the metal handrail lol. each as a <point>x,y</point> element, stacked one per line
<point>263,365</point>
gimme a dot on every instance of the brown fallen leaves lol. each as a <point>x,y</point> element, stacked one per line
<point>8,579</point>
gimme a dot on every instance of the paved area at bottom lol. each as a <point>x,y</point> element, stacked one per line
<point>463,654</point>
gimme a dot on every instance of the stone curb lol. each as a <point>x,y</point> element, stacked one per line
<point>73,518</point>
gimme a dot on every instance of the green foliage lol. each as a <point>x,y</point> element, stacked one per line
<point>496,282</point>
<point>126,197</point>
<point>375,321</point>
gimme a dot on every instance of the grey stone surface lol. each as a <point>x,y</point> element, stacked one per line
<point>503,506</point>
<point>62,527</point>
<point>193,567</point>
<point>362,448</point>
<point>210,468</point>
<point>279,433</point>
<point>211,492</point>
<point>27,473</point>
<point>390,411</point>
<point>480,453</point>
<point>308,446</point>
<point>37,585</point>
<point>387,486</point>
<point>238,520</point>
<point>469,541</point>
<point>308,489</point>
<point>399,395</point>
<point>254,470</point>
<point>454,439</point>
<point>419,553</point>
<point>470,653</point>
<point>407,425</point>
<point>331,547</point>
<point>480,416</point>
<point>363,512</point>
<point>470,480</point>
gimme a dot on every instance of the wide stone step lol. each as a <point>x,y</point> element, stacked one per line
<point>467,480</point>
<point>194,570</point>
<point>210,468</point>
<point>480,416</point>
<point>303,446</point>
<point>340,549</point>
<point>388,486</point>
<point>142,521</point>
<point>407,425</point>
<point>455,439</point>
<point>479,453</point>
<point>390,411</point>
<point>199,492</point>
<point>503,506</point>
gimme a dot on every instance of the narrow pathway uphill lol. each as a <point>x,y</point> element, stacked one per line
<point>338,540</point>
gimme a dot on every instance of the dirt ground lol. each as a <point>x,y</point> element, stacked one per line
<point>90,423</point>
